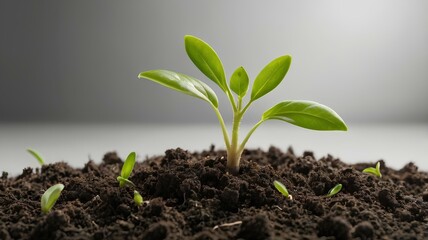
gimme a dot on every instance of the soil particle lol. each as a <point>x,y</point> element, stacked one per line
<point>364,231</point>
<point>256,227</point>
<point>337,227</point>
<point>188,194</point>
<point>387,199</point>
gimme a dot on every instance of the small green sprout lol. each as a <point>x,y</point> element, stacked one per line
<point>138,199</point>
<point>50,197</point>
<point>306,114</point>
<point>374,171</point>
<point>127,168</point>
<point>334,190</point>
<point>282,189</point>
<point>37,156</point>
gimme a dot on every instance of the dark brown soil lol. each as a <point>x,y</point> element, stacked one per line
<point>190,196</point>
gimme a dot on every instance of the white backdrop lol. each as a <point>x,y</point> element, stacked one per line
<point>77,61</point>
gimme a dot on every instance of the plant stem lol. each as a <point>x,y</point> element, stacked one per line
<point>223,127</point>
<point>242,146</point>
<point>233,153</point>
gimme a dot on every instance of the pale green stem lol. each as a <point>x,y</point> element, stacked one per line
<point>223,127</point>
<point>244,142</point>
<point>233,154</point>
<point>231,100</point>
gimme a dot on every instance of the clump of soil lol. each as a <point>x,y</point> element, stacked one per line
<point>190,196</point>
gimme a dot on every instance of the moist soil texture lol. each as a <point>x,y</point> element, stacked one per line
<point>191,196</point>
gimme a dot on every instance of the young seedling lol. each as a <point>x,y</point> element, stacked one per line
<point>138,199</point>
<point>282,189</point>
<point>127,170</point>
<point>305,114</point>
<point>334,190</point>
<point>50,197</point>
<point>374,171</point>
<point>37,156</point>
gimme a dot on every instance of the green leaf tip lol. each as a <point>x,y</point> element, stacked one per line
<point>127,168</point>
<point>270,77</point>
<point>239,82</point>
<point>37,156</point>
<point>374,171</point>
<point>336,189</point>
<point>281,188</point>
<point>306,114</point>
<point>50,197</point>
<point>138,199</point>
<point>206,60</point>
<point>182,83</point>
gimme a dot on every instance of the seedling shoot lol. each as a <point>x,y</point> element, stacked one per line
<point>374,171</point>
<point>306,114</point>
<point>282,189</point>
<point>37,156</point>
<point>127,168</point>
<point>138,199</point>
<point>335,190</point>
<point>50,197</point>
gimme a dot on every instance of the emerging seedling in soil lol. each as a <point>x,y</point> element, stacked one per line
<point>37,156</point>
<point>50,197</point>
<point>334,190</point>
<point>282,189</point>
<point>138,199</point>
<point>374,171</point>
<point>127,168</point>
<point>302,113</point>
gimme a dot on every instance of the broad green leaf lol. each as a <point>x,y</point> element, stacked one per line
<point>182,83</point>
<point>128,166</point>
<point>271,75</point>
<point>50,197</point>
<point>306,114</point>
<point>206,59</point>
<point>334,190</point>
<point>281,188</point>
<point>239,82</point>
<point>37,156</point>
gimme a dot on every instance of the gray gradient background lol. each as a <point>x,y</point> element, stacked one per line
<point>77,61</point>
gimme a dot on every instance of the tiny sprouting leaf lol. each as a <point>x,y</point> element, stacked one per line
<point>239,82</point>
<point>182,83</point>
<point>281,188</point>
<point>37,156</point>
<point>138,199</point>
<point>306,114</point>
<point>50,197</point>
<point>206,59</point>
<point>270,77</point>
<point>123,181</point>
<point>334,190</point>
<point>128,165</point>
<point>374,171</point>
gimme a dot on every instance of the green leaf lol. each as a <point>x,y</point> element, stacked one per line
<point>281,188</point>
<point>138,199</point>
<point>50,197</point>
<point>37,156</point>
<point>239,82</point>
<point>334,190</point>
<point>182,83</point>
<point>123,182</point>
<point>206,59</point>
<point>374,171</point>
<point>271,75</point>
<point>306,114</point>
<point>128,165</point>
